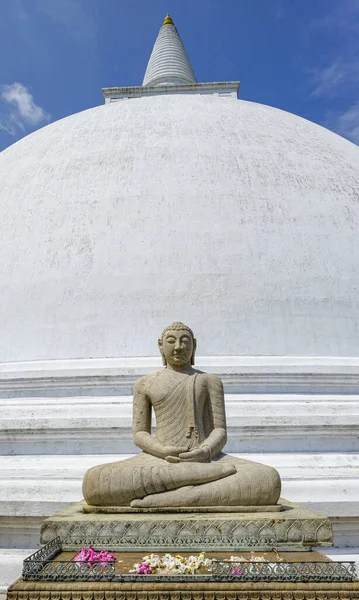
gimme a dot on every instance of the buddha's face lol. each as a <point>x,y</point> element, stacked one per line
<point>177,347</point>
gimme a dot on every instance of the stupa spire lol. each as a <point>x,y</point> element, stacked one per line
<point>169,63</point>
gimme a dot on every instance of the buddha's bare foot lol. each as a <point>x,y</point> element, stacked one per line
<point>187,473</point>
<point>188,495</point>
<point>165,499</point>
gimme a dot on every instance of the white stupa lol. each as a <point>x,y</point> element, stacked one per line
<point>177,201</point>
<point>184,202</point>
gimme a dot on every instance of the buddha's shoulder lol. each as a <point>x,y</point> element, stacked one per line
<point>143,383</point>
<point>210,379</point>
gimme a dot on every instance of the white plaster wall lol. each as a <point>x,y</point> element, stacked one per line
<point>237,218</point>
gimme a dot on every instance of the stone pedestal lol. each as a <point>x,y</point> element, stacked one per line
<point>26,590</point>
<point>293,531</point>
<point>294,528</point>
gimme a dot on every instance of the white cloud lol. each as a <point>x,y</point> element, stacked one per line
<point>346,123</point>
<point>339,70</point>
<point>18,110</point>
<point>336,77</point>
<point>333,79</point>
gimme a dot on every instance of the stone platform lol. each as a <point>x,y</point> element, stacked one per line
<point>201,587</point>
<point>27,590</point>
<point>294,528</point>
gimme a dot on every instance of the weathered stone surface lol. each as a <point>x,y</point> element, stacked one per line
<point>119,510</point>
<point>182,465</point>
<point>23,590</point>
<point>294,528</point>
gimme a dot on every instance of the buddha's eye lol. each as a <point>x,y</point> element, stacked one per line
<point>170,340</point>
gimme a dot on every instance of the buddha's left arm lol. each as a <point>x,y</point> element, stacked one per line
<point>218,437</point>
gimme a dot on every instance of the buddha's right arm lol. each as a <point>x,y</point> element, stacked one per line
<point>141,419</point>
<point>142,437</point>
<point>149,444</point>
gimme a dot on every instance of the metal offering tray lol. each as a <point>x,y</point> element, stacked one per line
<point>43,566</point>
<point>285,572</point>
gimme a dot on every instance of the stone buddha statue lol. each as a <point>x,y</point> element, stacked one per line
<point>183,464</point>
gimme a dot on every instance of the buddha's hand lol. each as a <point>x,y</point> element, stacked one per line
<point>173,452</point>
<point>197,455</point>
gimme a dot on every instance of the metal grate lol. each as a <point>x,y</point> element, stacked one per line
<point>40,566</point>
<point>43,566</point>
<point>293,572</point>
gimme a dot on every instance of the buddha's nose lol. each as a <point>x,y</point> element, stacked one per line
<point>177,345</point>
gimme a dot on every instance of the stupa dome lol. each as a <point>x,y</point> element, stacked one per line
<point>237,218</point>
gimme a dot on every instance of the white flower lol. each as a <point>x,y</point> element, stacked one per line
<point>174,565</point>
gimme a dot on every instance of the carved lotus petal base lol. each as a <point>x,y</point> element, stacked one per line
<point>294,528</point>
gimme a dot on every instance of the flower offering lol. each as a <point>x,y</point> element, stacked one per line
<point>154,564</point>
<point>90,557</point>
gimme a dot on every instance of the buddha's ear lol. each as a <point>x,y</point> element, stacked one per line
<point>194,351</point>
<point>160,344</point>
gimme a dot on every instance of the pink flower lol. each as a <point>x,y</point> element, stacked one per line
<point>81,556</point>
<point>105,557</point>
<point>236,571</point>
<point>144,569</point>
<point>91,557</point>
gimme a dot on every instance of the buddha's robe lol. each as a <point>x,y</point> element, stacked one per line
<point>189,413</point>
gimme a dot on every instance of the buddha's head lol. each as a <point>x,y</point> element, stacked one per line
<point>177,345</point>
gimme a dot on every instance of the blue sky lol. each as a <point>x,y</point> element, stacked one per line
<point>298,55</point>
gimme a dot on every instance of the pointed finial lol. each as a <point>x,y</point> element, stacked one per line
<point>167,21</point>
<point>169,63</point>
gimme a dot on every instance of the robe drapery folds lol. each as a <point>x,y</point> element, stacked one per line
<point>190,415</point>
<point>177,411</point>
